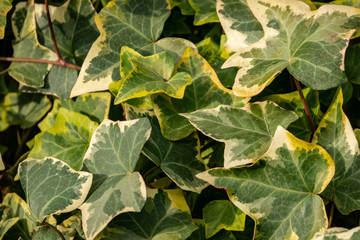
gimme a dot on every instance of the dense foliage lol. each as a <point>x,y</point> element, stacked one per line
<point>180,119</point>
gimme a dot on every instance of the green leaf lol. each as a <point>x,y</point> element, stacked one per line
<point>68,139</point>
<point>310,44</point>
<point>5,7</point>
<point>46,233</point>
<point>247,132</point>
<point>153,74</point>
<point>199,234</point>
<point>222,214</point>
<point>164,216</point>
<point>51,186</point>
<point>180,160</point>
<point>206,91</point>
<point>184,6</point>
<point>112,156</point>
<point>205,11</point>
<point>94,105</point>
<point>352,65</point>
<point>280,193</point>
<point>24,109</point>
<point>338,234</point>
<point>27,45</point>
<point>123,23</point>
<point>337,137</point>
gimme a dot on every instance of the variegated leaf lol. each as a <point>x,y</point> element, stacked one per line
<point>338,234</point>
<point>310,44</point>
<point>247,132</point>
<point>51,186</point>
<point>113,153</point>
<point>280,192</point>
<point>205,11</point>
<point>5,7</point>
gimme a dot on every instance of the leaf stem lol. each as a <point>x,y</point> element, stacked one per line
<point>331,214</point>
<point>306,107</point>
<point>5,71</point>
<point>34,60</point>
<point>147,173</point>
<point>53,228</point>
<point>21,144</point>
<point>326,198</point>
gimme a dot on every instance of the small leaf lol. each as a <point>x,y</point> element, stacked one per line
<point>205,11</point>
<point>247,132</point>
<point>338,234</point>
<point>199,234</point>
<point>5,7</point>
<point>52,187</point>
<point>164,216</point>
<point>112,156</point>
<point>310,44</point>
<point>222,214</point>
<point>184,6</point>
<point>280,192</point>
<point>68,139</point>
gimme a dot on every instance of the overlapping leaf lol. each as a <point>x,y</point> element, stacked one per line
<point>67,140</point>
<point>247,132</point>
<point>310,44</point>
<point>338,234</point>
<point>112,156</point>
<point>184,6</point>
<point>137,25</point>
<point>206,91</point>
<point>336,136</point>
<point>280,193</point>
<point>51,186</point>
<point>205,11</point>
<point>165,215</point>
<point>199,234</point>
<point>153,74</point>
<point>5,7</point>
<point>352,65</point>
<point>180,160</point>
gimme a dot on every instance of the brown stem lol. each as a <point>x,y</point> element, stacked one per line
<point>53,228</point>
<point>22,142</point>
<point>34,60</point>
<point>331,214</point>
<point>326,198</point>
<point>147,173</point>
<point>306,107</point>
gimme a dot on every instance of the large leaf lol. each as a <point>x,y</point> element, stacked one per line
<point>180,160</point>
<point>247,132</point>
<point>112,156</point>
<point>5,7</point>
<point>24,109</point>
<point>280,193</point>
<point>153,74</point>
<point>338,234</point>
<point>125,23</point>
<point>206,91</point>
<point>68,139</point>
<point>205,11</point>
<point>335,134</point>
<point>165,215</point>
<point>51,186</point>
<point>310,44</point>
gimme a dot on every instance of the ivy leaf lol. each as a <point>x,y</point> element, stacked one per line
<point>5,7</point>
<point>184,6</point>
<point>44,232</point>
<point>30,74</point>
<point>153,74</point>
<point>222,214</point>
<point>136,25</point>
<point>205,11</point>
<point>24,109</point>
<point>247,132</point>
<point>199,234</point>
<point>112,156</point>
<point>352,65</point>
<point>310,44</point>
<point>68,139</point>
<point>280,193</point>
<point>180,160</point>
<point>206,91</point>
<point>51,186</point>
<point>165,215</point>
<point>336,136</point>
<point>338,234</point>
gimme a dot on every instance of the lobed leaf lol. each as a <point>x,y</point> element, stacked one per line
<point>205,11</point>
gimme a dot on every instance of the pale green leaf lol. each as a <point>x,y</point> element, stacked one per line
<point>310,44</point>
<point>2,165</point>
<point>67,140</point>
<point>247,132</point>
<point>152,74</point>
<point>338,234</point>
<point>5,7</point>
<point>5,225</point>
<point>137,25</point>
<point>337,137</point>
<point>280,192</point>
<point>24,109</point>
<point>112,156</point>
<point>205,11</point>
<point>206,91</point>
<point>46,233</point>
<point>51,186</point>
<point>199,234</point>
<point>222,214</point>
<point>184,6</point>
<point>164,216</point>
